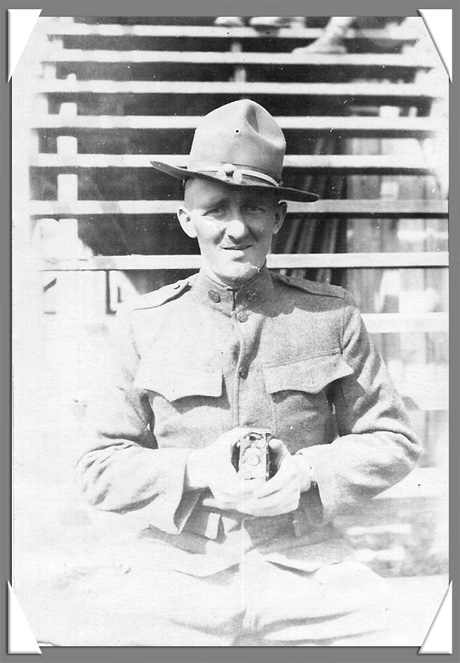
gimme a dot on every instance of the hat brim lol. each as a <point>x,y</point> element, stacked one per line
<point>284,192</point>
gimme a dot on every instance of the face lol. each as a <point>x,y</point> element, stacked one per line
<point>234,227</point>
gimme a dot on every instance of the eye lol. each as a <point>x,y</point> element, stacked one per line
<point>254,209</point>
<point>218,211</point>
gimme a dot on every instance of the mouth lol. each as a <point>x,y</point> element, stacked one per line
<point>237,248</point>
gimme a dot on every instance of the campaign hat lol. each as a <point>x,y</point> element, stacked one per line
<point>239,144</point>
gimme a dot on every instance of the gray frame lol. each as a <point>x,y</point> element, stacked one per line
<point>207,7</point>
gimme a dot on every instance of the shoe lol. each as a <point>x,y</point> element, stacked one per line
<point>273,22</point>
<point>229,22</point>
<point>321,46</point>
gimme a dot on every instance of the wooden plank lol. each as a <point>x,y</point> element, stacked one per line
<point>212,58</point>
<point>124,263</point>
<point>348,208</point>
<point>358,125</point>
<point>276,261</point>
<point>382,323</point>
<point>339,163</point>
<point>390,323</point>
<point>393,37</point>
<point>358,260</point>
<point>357,91</point>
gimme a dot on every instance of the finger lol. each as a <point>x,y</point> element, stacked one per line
<point>226,443</point>
<point>220,505</point>
<point>242,430</point>
<point>217,504</point>
<point>227,501</point>
<point>267,488</point>
<point>232,490</point>
<point>273,501</point>
<point>234,435</point>
<point>276,445</point>
<point>284,477</point>
<point>226,475</point>
<point>278,451</point>
<point>229,481</point>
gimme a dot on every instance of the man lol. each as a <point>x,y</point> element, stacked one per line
<point>222,560</point>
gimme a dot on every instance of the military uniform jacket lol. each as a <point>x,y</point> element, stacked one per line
<point>195,359</point>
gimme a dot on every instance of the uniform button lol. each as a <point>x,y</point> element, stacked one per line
<point>214,296</point>
<point>243,372</point>
<point>252,296</point>
<point>242,316</point>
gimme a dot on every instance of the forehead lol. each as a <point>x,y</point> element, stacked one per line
<point>200,193</point>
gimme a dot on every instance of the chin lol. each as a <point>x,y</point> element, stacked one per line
<point>240,274</point>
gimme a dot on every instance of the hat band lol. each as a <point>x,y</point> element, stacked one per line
<point>228,172</point>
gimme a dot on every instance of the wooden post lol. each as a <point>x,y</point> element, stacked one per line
<point>29,365</point>
<point>240,74</point>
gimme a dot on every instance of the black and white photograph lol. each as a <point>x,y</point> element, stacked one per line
<point>230,350</point>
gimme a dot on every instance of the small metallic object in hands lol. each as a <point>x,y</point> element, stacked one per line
<point>251,457</point>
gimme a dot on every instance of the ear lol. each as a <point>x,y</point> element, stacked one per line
<point>280,215</point>
<point>186,222</point>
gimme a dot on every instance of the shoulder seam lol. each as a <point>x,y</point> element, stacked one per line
<point>156,298</point>
<point>313,287</point>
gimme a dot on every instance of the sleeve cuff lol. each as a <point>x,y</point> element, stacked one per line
<point>311,513</point>
<point>308,474</point>
<point>170,510</point>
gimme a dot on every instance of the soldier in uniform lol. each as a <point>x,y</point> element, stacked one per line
<point>221,560</point>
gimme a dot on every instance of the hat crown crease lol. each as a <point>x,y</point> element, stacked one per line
<point>242,133</point>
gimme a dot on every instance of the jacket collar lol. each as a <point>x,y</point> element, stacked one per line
<point>225,299</point>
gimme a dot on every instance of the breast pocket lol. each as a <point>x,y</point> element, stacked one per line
<point>175,382</point>
<point>187,400</point>
<point>299,390</point>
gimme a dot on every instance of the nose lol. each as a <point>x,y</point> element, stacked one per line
<point>236,227</point>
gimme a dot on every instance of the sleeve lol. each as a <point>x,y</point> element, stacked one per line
<point>122,469</point>
<point>375,447</point>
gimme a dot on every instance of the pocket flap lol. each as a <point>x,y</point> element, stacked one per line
<point>310,375</point>
<point>174,383</point>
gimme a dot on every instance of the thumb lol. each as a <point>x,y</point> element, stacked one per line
<point>278,448</point>
<point>278,452</point>
<point>233,436</point>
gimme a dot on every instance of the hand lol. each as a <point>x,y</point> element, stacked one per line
<point>281,493</point>
<point>211,467</point>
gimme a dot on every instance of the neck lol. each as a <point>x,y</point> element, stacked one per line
<point>231,284</point>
